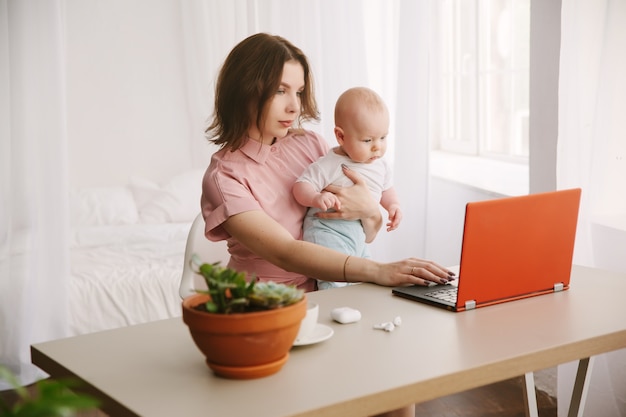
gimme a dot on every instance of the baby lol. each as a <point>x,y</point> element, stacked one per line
<point>361,128</point>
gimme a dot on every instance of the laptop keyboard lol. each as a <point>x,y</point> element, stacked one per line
<point>445,294</point>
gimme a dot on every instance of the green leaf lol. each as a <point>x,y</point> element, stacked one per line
<point>211,307</point>
<point>232,292</point>
<point>54,398</point>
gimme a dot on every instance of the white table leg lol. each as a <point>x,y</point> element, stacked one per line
<point>581,386</point>
<point>530,403</point>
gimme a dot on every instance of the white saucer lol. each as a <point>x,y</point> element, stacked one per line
<point>320,333</point>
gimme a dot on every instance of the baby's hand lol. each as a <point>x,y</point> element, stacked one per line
<point>395,217</point>
<point>326,200</point>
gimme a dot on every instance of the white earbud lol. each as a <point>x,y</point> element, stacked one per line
<point>387,326</point>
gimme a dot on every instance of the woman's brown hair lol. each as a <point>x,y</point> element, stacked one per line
<point>248,80</point>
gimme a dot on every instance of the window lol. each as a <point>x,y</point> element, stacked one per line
<point>480,95</point>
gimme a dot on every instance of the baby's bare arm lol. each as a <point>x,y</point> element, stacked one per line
<point>391,203</point>
<point>306,195</point>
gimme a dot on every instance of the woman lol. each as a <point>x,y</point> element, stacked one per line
<point>264,92</point>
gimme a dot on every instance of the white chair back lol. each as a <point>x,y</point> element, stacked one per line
<point>207,251</point>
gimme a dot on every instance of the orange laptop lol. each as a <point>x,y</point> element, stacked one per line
<point>513,248</point>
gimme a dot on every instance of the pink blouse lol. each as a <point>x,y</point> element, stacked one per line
<point>259,177</point>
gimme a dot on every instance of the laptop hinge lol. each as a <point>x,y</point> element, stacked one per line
<point>470,304</point>
<point>558,287</point>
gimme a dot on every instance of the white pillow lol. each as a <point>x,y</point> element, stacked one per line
<point>152,202</point>
<point>99,206</point>
<point>176,200</point>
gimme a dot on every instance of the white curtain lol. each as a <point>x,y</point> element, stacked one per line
<point>591,154</point>
<point>57,99</point>
<point>34,257</point>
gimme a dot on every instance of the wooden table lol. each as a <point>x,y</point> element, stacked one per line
<point>155,369</point>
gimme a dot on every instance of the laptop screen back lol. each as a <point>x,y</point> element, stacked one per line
<point>514,247</point>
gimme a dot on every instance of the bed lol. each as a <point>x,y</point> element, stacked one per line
<point>127,251</point>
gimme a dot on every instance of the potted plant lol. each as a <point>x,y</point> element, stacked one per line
<point>244,328</point>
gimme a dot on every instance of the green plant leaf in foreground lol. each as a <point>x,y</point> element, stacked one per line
<point>53,398</point>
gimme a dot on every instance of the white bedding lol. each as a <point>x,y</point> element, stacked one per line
<point>127,251</point>
<point>124,275</point>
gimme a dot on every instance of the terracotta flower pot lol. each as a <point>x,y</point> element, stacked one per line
<point>244,345</point>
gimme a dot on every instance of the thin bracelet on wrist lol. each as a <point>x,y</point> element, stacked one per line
<point>344,268</point>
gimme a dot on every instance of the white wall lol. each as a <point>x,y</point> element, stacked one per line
<point>545,27</point>
<point>446,216</point>
<point>113,131</point>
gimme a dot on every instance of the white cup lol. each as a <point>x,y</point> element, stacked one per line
<point>308,323</point>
